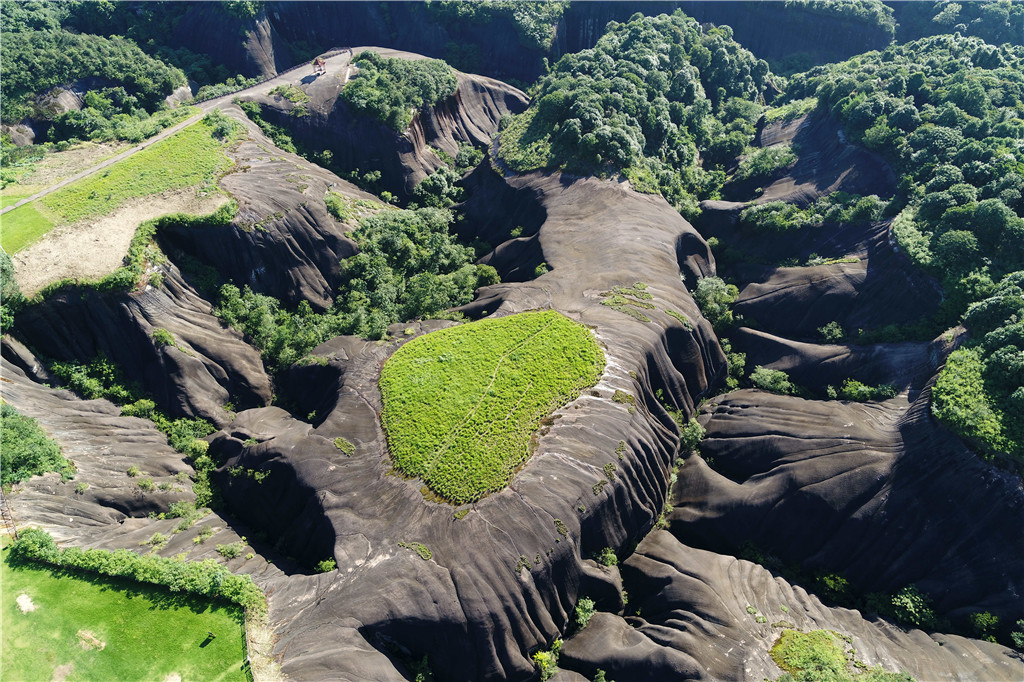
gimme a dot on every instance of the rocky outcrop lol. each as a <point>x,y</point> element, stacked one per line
<point>826,163</point>
<point>485,605</point>
<point>877,289</point>
<point>103,446</point>
<point>357,141</point>
<point>706,616</point>
<point>876,492</point>
<point>207,367</point>
<point>283,242</point>
<point>249,46</point>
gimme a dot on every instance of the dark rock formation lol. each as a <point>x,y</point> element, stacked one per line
<point>207,367</point>
<point>481,604</point>
<point>357,141</point>
<point>876,492</point>
<point>694,621</point>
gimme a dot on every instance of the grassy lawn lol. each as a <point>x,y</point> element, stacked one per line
<point>461,404</point>
<point>189,158</point>
<point>93,628</point>
<point>22,226</point>
<point>8,198</point>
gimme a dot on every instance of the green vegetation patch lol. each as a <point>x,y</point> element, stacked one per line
<point>390,89</point>
<point>22,226</point>
<point>652,97</point>
<point>190,157</point>
<point>980,392</point>
<point>823,655</point>
<point>460,404</point>
<point>95,628</point>
<point>26,450</point>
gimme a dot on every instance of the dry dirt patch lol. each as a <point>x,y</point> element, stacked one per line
<point>25,603</point>
<point>61,672</point>
<point>173,677</point>
<point>89,640</point>
<point>95,248</point>
<point>53,168</point>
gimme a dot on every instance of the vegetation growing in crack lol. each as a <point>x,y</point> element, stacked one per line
<point>461,404</point>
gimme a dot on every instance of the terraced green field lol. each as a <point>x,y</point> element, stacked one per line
<point>460,404</point>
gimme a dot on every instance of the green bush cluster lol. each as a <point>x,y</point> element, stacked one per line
<point>206,578</point>
<point>690,435</point>
<point>439,189</point>
<point>461,404</point>
<point>737,365</point>
<point>71,57</point>
<point>606,557</point>
<point>547,661</point>
<point>653,96</point>
<point>994,22</point>
<point>390,89</point>
<point>714,298</point>
<point>26,450</point>
<point>763,163</point>
<point>584,612</point>
<point>535,22</point>
<point>772,380</point>
<point>838,207</point>
<point>859,392</point>
<point>98,378</point>
<point>980,392</point>
<point>409,266</point>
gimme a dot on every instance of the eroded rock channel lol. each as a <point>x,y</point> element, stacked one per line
<point>875,491</point>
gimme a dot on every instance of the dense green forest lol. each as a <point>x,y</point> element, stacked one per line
<point>658,99</point>
<point>391,89</point>
<point>948,113</point>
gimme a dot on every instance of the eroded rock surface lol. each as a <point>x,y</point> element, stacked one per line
<point>877,491</point>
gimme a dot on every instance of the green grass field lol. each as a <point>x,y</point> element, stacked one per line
<point>461,404</point>
<point>93,628</point>
<point>189,158</point>
<point>22,226</point>
<point>8,198</point>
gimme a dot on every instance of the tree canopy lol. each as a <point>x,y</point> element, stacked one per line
<point>390,89</point>
<point>651,98</point>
